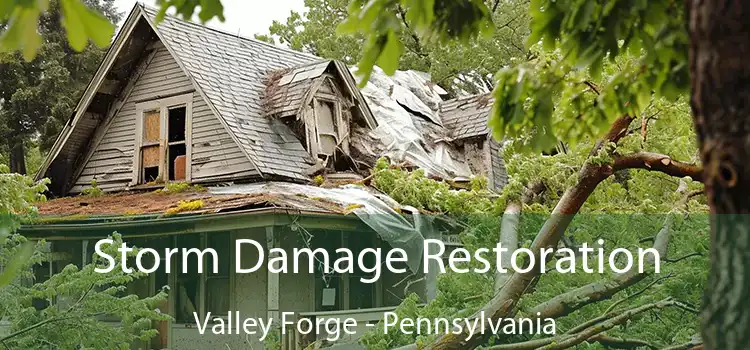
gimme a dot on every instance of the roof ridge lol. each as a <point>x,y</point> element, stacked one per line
<point>150,9</point>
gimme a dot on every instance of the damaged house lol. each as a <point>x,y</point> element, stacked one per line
<point>258,126</point>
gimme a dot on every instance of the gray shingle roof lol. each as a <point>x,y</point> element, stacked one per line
<point>467,116</point>
<point>231,71</point>
<point>289,89</point>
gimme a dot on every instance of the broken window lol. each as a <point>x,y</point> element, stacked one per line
<point>176,138</point>
<point>163,145</point>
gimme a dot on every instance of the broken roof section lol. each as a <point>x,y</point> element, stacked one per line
<point>410,127</point>
<point>467,116</point>
<point>288,91</point>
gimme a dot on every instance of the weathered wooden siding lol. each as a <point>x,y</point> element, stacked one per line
<point>216,157</point>
<point>499,177</point>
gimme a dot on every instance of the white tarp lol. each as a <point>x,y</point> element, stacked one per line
<point>393,100</point>
<point>374,209</point>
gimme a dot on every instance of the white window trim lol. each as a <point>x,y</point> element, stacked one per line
<point>163,105</point>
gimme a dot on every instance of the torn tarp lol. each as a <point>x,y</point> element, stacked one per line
<point>376,210</point>
<point>409,127</point>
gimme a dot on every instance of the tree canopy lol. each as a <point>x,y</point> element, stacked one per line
<point>38,92</point>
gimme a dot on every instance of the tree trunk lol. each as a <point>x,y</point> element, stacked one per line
<point>17,157</point>
<point>720,82</point>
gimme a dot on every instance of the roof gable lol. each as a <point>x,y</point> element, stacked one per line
<point>230,72</point>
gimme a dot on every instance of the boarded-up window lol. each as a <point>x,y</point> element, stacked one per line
<point>163,148</point>
<point>151,147</point>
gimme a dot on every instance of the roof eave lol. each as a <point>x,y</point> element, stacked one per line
<point>109,58</point>
<point>157,225</point>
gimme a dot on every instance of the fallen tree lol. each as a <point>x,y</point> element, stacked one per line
<point>601,163</point>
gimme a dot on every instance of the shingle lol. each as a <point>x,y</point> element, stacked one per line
<point>467,116</point>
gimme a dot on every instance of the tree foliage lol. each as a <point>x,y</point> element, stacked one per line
<point>452,65</point>
<point>77,299</point>
<point>20,19</point>
<point>625,210</point>
<point>37,95</point>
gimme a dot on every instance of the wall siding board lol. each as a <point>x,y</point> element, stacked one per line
<point>215,155</point>
<point>499,175</point>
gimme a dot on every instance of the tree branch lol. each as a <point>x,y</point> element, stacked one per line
<point>657,162</point>
<point>503,304</point>
<point>575,299</point>
<point>682,257</point>
<point>509,239</point>
<point>620,343</point>
<point>566,340</point>
<point>606,325</point>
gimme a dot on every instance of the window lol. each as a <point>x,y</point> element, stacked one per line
<point>327,135</point>
<point>329,132</point>
<point>217,284</point>
<point>162,150</point>
<point>345,291</point>
<point>206,292</point>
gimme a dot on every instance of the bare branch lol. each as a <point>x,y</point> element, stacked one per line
<point>620,343</point>
<point>606,325</point>
<point>694,344</point>
<point>682,257</point>
<point>631,296</point>
<point>508,239</point>
<point>566,340</point>
<point>658,162</point>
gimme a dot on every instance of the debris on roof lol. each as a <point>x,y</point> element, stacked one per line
<point>409,127</point>
<point>376,210</point>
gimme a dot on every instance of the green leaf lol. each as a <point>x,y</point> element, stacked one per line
<point>15,264</point>
<point>21,33</point>
<point>211,9</point>
<point>82,24</point>
<point>392,49</point>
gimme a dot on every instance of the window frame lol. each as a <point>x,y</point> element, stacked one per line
<point>163,105</point>
<point>202,302</point>
<point>342,137</point>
